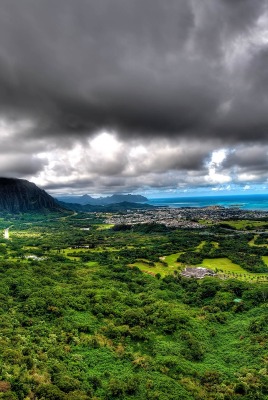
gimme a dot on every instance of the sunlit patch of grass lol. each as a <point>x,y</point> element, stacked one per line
<point>245,224</point>
<point>171,260</point>
<point>226,267</point>
<point>91,266</point>
<point>265,259</point>
<point>224,264</point>
<point>101,227</point>
<point>73,258</point>
<point>24,234</point>
<point>206,222</point>
<point>159,267</point>
<point>252,242</point>
<point>200,246</point>
<point>70,250</point>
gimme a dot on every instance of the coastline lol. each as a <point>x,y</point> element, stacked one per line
<point>242,202</point>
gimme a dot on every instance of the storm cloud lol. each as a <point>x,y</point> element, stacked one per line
<point>115,95</point>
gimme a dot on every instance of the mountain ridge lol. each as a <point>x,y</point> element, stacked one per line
<point>101,201</point>
<point>19,195</point>
<point>114,207</point>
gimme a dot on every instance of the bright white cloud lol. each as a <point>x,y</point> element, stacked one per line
<point>105,145</point>
<point>217,157</point>
<point>106,163</point>
<point>213,176</point>
<point>247,187</point>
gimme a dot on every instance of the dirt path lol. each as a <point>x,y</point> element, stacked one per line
<point>6,233</point>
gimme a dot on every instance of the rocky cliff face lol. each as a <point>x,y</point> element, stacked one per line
<point>19,195</point>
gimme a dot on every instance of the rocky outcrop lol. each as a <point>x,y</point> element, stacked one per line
<point>19,195</point>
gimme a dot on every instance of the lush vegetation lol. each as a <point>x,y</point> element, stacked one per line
<point>80,320</point>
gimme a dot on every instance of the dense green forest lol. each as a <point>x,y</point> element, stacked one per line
<point>90,311</point>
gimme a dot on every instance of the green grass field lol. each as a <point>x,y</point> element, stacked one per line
<point>201,245</point>
<point>225,267</point>
<point>172,260</point>
<point>265,259</point>
<point>243,224</point>
<point>101,227</point>
<point>216,245</point>
<point>223,264</point>
<point>252,242</point>
<point>228,268</point>
<point>206,222</point>
<point>159,267</point>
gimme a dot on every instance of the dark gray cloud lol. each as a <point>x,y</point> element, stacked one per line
<point>247,164</point>
<point>255,156</point>
<point>191,73</point>
<point>218,24</point>
<point>17,165</point>
<point>140,67</point>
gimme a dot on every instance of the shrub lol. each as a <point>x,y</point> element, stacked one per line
<point>49,392</point>
<point>4,386</point>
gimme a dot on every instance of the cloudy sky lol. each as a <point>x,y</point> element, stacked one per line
<point>148,96</point>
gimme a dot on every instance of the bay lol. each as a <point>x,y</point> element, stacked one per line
<point>243,202</point>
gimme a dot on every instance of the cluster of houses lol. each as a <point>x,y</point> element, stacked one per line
<point>186,217</point>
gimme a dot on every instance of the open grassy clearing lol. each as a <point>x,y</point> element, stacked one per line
<point>252,242</point>
<point>265,259</point>
<point>101,227</point>
<point>91,266</point>
<point>158,268</point>
<point>246,224</point>
<point>227,267</point>
<point>206,222</point>
<point>171,260</point>
<point>224,266</point>
<point>216,245</point>
<point>24,234</point>
<point>201,245</point>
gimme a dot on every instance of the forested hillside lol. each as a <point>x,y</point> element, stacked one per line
<point>80,320</point>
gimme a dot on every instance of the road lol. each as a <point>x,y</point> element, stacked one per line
<point>6,232</point>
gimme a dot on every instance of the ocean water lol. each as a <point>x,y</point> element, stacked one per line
<point>243,202</point>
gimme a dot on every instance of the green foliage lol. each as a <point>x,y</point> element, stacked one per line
<point>80,324</point>
<point>49,392</point>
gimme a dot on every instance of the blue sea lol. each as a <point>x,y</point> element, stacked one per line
<point>243,202</point>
